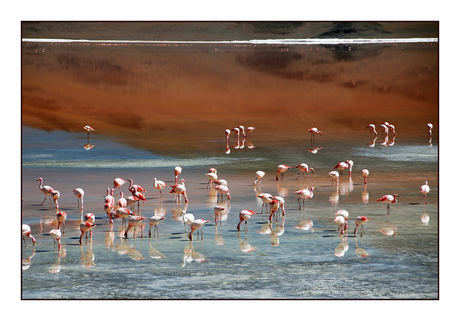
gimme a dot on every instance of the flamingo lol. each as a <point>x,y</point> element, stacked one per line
<point>223,190</point>
<point>122,202</point>
<point>61,217</point>
<point>245,215</point>
<point>430,128</point>
<point>197,225</point>
<point>345,215</point>
<point>133,188</point>
<point>212,178</point>
<point>55,196</point>
<point>159,185</point>
<point>187,218</point>
<point>118,182</point>
<point>266,198</point>
<point>314,131</point>
<point>45,189</point>
<point>227,134</point>
<point>388,199</point>
<point>425,189</point>
<point>153,221</point>
<point>79,193</point>
<point>281,170</point>
<point>134,221</point>
<point>108,208</point>
<point>334,175</point>
<point>27,231</point>
<point>259,176</point>
<point>56,235</point>
<point>84,228</point>
<point>359,221</point>
<point>350,166</point>
<point>180,189</point>
<point>89,129</point>
<point>340,221</point>
<point>249,130</point>
<point>109,198</point>
<point>274,206</point>
<point>131,200</point>
<point>243,134</point>
<point>365,173</point>
<point>303,168</point>
<point>372,127</point>
<point>281,203</point>
<point>219,211</point>
<point>237,133</point>
<point>90,217</point>
<point>123,213</point>
<point>304,194</point>
<point>177,172</point>
<point>341,166</point>
<point>385,128</point>
<point>220,182</point>
<point>393,130</point>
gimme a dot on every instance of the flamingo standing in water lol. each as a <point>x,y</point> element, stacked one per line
<point>281,169</point>
<point>245,215</point>
<point>159,185</point>
<point>79,193</point>
<point>243,134</point>
<point>187,218</point>
<point>197,225</point>
<point>259,176</point>
<point>134,221</point>
<point>177,172</point>
<point>281,203</point>
<point>61,217</point>
<point>393,130</point>
<point>122,202</point>
<point>55,196</point>
<point>430,128</point>
<point>45,189</point>
<point>133,188</point>
<point>334,175</point>
<point>219,211</point>
<point>304,194</point>
<point>109,198</point>
<point>340,221</point>
<point>425,189</point>
<point>359,221</point>
<point>179,189</point>
<point>274,206</point>
<point>85,227</point>
<point>89,129</point>
<point>373,131</point>
<point>385,128</point>
<point>266,198</point>
<point>123,213</point>
<point>27,231</point>
<point>365,173</point>
<point>345,215</point>
<point>236,130</point>
<point>388,199</point>
<point>227,135</point>
<point>223,190</point>
<point>153,221</point>
<point>249,130</point>
<point>313,132</point>
<point>117,183</point>
<point>212,178</point>
<point>56,235</point>
<point>341,166</point>
<point>303,168</point>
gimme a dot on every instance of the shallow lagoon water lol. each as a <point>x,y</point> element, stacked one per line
<point>305,264</point>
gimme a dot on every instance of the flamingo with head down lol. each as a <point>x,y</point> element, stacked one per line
<point>281,169</point>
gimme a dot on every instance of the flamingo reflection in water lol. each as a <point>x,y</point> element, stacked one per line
<point>342,247</point>
<point>359,251</point>
<point>191,255</point>
<point>87,258</point>
<point>276,232</point>
<point>153,251</point>
<point>305,225</point>
<point>244,245</point>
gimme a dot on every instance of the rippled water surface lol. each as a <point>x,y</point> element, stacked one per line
<point>396,258</point>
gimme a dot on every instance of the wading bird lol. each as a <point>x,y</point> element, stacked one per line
<point>304,194</point>
<point>134,221</point>
<point>79,193</point>
<point>197,225</point>
<point>177,172</point>
<point>117,183</point>
<point>259,176</point>
<point>430,128</point>
<point>55,196</point>
<point>425,189</point>
<point>187,218</point>
<point>159,185</point>
<point>89,129</point>
<point>303,168</point>
<point>27,231</point>
<point>359,221</point>
<point>122,202</point>
<point>179,189</point>
<point>245,215</point>
<point>373,131</point>
<point>133,188</point>
<point>109,198</point>
<point>61,217</point>
<point>249,130</point>
<point>266,198</point>
<point>365,173</point>
<point>345,215</point>
<point>219,211</point>
<point>335,176</point>
<point>340,221</point>
<point>281,169</point>
<point>45,189</point>
<point>388,199</point>
<point>153,221</point>
<point>314,131</point>
<point>223,190</point>
<point>56,235</point>
<point>85,227</point>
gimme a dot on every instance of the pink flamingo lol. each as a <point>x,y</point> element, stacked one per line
<point>245,215</point>
<point>393,130</point>
<point>388,199</point>
<point>79,193</point>
<point>159,185</point>
<point>340,221</point>
<point>385,128</point>
<point>365,173</point>
<point>304,194</point>
<point>134,221</point>
<point>177,172</point>
<point>123,213</point>
<point>243,134</point>
<point>89,129</point>
<point>109,198</point>
<point>187,218</point>
<point>118,183</point>
<point>259,176</point>
<point>61,217</point>
<point>314,131</point>
<point>219,211</point>
<point>281,169</point>
<point>153,221</point>
<point>425,189</point>
<point>45,189</point>
<point>227,134</point>
<point>56,235</point>
<point>373,131</point>
<point>249,130</point>
<point>197,225</point>
<point>90,217</point>
<point>359,221</point>
<point>274,206</point>
<point>212,178</point>
<point>345,215</point>
<point>122,202</point>
<point>133,188</point>
<point>223,190</point>
<point>341,166</point>
<point>266,198</point>
<point>108,208</point>
<point>84,228</point>
<point>55,196</point>
<point>303,168</point>
<point>236,130</point>
<point>430,128</point>
<point>179,189</point>
<point>334,175</point>
<point>27,231</point>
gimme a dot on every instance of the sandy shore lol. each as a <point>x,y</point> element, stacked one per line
<point>143,93</point>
